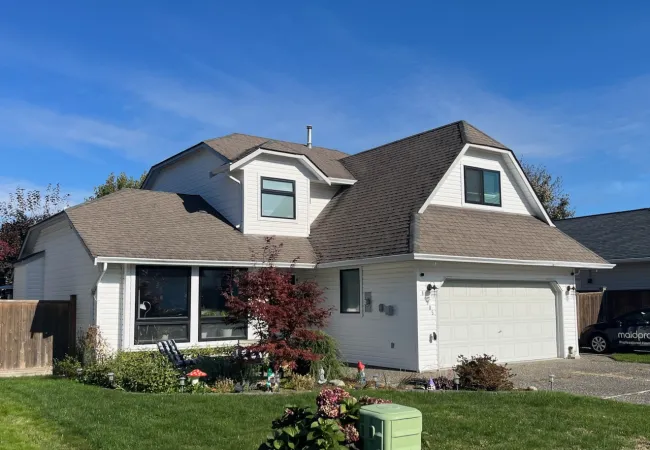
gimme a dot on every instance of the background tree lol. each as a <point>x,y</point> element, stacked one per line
<point>21,211</point>
<point>115,183</point>
<point>549,191</point>
<point>286,316</point>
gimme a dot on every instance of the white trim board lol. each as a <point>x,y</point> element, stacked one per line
<point>197,262</point>
<point>302,158</point>
<point>356,262</point>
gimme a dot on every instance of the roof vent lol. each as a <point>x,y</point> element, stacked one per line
<point>308,136</point>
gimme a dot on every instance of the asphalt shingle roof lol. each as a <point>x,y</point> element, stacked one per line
<point>377,216</point>
<point>443,230</point>
<point>621,235</point>
<point>236,146</point>
<point>135,223</point>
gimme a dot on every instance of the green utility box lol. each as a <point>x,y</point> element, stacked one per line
<point>391,427</point>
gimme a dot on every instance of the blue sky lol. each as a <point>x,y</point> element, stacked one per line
<point>86,90</point>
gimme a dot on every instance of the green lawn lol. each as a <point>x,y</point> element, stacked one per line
<point>632,357</point>
<point>40,413</point>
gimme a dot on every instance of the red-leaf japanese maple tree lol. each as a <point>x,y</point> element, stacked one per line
<point>284,315</point>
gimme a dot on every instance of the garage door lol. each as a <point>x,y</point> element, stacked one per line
<point>514,321</point>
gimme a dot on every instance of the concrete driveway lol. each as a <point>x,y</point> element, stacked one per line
<point>594,375</point>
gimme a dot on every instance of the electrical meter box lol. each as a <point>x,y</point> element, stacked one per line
<point>390,427</point>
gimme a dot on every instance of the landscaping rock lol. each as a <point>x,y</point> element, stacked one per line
<point>337,383</point>
<point>531,388</point>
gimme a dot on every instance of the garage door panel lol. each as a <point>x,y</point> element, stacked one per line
<point>513,321</point>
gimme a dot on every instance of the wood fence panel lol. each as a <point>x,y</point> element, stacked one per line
<point>617,303</point>
<point>589,308</point>
<point>35,332</point>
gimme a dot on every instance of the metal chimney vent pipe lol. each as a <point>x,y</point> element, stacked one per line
<point>308,136</point>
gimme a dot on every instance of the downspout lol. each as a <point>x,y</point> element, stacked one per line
<point>94,292</point>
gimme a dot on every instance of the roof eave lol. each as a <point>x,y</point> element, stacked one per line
<point>198,262</point>
<point>519,262</point>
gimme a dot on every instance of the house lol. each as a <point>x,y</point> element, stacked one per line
<point>622,238</point>
<point>428,247</point>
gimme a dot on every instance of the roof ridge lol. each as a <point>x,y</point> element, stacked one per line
<point>405,138</point>
<point>281,141</point>
<point>603,214</point>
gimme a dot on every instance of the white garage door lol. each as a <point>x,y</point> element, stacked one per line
<point>514,321</point>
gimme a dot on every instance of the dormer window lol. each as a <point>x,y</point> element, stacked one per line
<point>278,198</point>
<point>482,186</point>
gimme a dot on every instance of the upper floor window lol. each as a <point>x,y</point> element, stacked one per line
<point>278,198</point>
<point>482,186</point>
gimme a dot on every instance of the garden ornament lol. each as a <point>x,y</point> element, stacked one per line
<point>195,375</point>
<point>321,376</point>
<point>361,376</point>
<point>432,385</point>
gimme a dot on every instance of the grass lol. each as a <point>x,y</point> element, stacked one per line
<point>632,357</point>
<point>58,414</point>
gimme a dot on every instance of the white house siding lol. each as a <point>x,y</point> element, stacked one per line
<point>20,282</point>
<point>109,305</point>
<point>452,192</point>
<point>321,194</point>
<point>374,337</point>
<point>191,175</point>
<point>437,273</point>
<point>622,277</point>
<point>29,278</point>
<point>283,168</point>
<point>68,269</point>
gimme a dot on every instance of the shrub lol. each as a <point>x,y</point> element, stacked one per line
<point>443,383</point>
<point>334,425</point>
<point>327,349</point>
<point>483,373</point>
<point>66,367</point>
<point>301,382</point>
<point>223,386</point>
<point>91,346</point>
<point>143,372</point>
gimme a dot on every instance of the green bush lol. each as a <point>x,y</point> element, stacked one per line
<point>330,358</point>
<point>300,382</point>
<point>482,373</point>
<point>66,367</point>
<point>143,372</point>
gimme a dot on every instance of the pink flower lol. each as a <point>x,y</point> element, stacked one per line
<point>351,433</point>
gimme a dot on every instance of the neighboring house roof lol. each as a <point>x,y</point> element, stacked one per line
<point>442,230</point>
<point>237,146</point>
<point>135,223</point>
<point>373,217</point>
<point>614,236</point>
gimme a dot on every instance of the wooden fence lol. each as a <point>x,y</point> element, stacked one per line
<point>601,306</point>
<point>34,332</point>
<point>589,304</point>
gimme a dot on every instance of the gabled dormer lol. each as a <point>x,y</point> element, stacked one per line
<point>262,186</point>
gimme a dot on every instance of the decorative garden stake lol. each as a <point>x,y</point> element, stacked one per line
<point>551,379</point>
<point>361,375</point>
<point>269,377</point>
<point>456,380</point>
<point>195,375</point>
<point>432,385</point>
